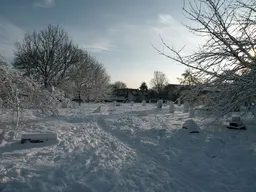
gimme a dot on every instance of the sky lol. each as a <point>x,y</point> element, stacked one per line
<point>119,33</point>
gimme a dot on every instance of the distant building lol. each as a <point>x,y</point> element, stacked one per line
<point>171,92</point>
<point>127,95</point>
<point>174,91</point>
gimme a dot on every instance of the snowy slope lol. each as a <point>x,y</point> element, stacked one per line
<point>127,148</point>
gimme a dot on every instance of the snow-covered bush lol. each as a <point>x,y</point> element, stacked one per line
<point>19,92</point>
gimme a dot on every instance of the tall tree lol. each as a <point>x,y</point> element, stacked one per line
<point>46,55</point>
<point>87,80</point>
<point>143,86</point>
<point>230,32</point>
<point>188,78</point>
<point>159,81</point>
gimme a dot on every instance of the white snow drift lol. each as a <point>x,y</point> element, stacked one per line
<point>132,148</point>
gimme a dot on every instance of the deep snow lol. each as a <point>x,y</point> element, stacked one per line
<point>126,148</point>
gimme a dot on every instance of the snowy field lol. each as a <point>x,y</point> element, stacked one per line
<point>126,149</point>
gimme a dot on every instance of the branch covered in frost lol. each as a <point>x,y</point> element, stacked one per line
<point>226,61</point>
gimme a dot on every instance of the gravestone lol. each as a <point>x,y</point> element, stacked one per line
<point>186,107</point>
<point>171,107</point>
<point>74,104</point>
<point>179,102</point>
<point>143,103</point>
<point>253,110</point>
<point>191,126</point>
<point>1,103</point>
<point>98,110</point>
<point>191,112</point>
<point>236,123</point>
<point>159,104</point>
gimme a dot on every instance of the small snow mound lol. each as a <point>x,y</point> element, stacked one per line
<point>191,126</point>
<point>98,110</point>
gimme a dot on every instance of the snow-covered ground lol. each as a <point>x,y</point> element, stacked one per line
<point>124,149</point>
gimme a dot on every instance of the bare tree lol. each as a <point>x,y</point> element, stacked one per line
<point>159,81</point>
<point>119,85</point>
<point>230,31</point>
<point>45,56</point>
<point>87,80</point>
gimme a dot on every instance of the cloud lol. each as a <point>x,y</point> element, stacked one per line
<point>176,34</point>
<point>136,55</point>
<point>138,38</point>
<point>131,50</point>
<point>44,3</point>
<point>93,41</point>
<point>9,34</point>
<point>98,45</point>
<point>166,19</point>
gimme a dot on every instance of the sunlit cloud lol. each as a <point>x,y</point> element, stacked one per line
<point>99,45</point>
<point>91,41</point>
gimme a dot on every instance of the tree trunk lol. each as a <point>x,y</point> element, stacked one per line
<point>46,84</point>
<point>79,98</point>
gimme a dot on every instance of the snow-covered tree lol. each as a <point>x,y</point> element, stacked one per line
<point>226,61</point>
<point>188,78</point>
<point>19,92</point>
